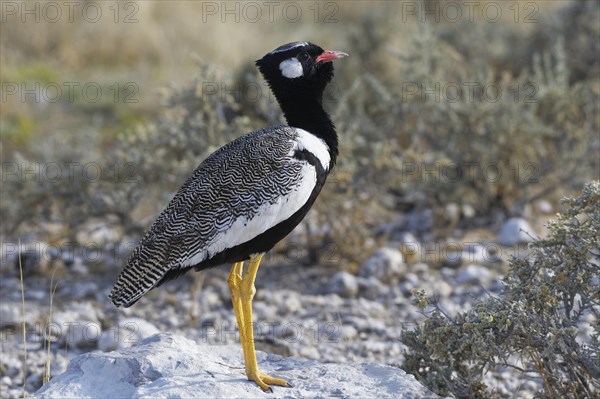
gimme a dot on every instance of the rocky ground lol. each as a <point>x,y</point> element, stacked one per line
<point>308,312</point>
<point>167,365</point>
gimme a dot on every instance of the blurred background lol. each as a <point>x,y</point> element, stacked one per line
<point>461,125</point>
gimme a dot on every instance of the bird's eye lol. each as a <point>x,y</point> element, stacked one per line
<point>303,56</point>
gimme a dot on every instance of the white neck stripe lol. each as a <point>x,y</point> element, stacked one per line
<point>289,46</point>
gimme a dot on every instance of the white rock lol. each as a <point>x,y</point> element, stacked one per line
<point>515,230</point>
<point>292,303</point>
<point>78,326</point>
<point>474,274</point>
<point>371,288</point>
<point>406,238</point>
<point>543,207</point>
<point>11,313</point>
<point>477,253</point>
<point>344,284</point>
<point>442,288</point>
<point>128,332</point>
<point>468,211</point>
<point>386,264</point>
<point>310,352</point>
<point>453,212</point>
<point>99,231</point>
<point>420,268</point>
<point>410,282</point>
<point>420,220</point>
<point>170,366</point>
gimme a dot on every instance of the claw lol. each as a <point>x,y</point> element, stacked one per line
<point>264,381</point>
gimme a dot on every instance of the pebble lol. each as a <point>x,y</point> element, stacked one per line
<point>514,231</point>
<point>77,326</point>
<point>420,268</point>
<point>99,232</point>
<point>411,281</point>
<point>468,211</point>
<point>387,264</point>
<point>371,288</point>
<point>543,207</point>
<point>420,220</point>
<point>442,288</point>
<point>344,284</point>
<point>474,274</point>
<point>309,352</point>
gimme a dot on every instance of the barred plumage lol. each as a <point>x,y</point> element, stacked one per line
<point>216,208</point>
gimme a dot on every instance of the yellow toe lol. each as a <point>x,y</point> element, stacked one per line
<point>264,381</point>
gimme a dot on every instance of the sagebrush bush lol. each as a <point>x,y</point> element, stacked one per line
<point>545,324</point>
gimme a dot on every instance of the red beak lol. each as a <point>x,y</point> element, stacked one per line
<point>329,55</point>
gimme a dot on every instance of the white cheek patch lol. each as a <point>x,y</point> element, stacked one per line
<point>291,68</point>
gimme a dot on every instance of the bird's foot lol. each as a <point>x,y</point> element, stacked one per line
<point>264,381</point>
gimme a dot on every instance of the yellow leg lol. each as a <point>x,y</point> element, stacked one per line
<point>235,285</point>
<point>247,291</point>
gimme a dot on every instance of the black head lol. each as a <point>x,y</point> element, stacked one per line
<point>298,68</point>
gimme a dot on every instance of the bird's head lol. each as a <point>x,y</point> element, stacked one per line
<point>298,67</point>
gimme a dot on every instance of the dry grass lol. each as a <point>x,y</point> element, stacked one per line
<point>24,323</point>
<point>48,340</point>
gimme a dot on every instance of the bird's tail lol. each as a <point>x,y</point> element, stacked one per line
<point>142,273</point>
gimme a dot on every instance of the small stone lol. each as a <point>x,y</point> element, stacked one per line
<point>344,284</point>
<point>452,212</point>
<point>543,207</point>
<point>309,352</point>
<point>420,220</point>
<point>448,273</point>
<point>476,253</point>
<point>468,211</point>
<point>264,311</point>
<point>409,246</point>
<point>420,268</point>
<point>100,231</point>
<point>290,304</point>
<point>474,274</point>
<point>442,288</point>
<point>348,332</point>
<point>386,264</point>
<point>410,282</point>
<point>515,230</point>
<point>371,288</point>
<point>78,326</point>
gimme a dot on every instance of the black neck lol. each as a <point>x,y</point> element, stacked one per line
<point>307,113</point>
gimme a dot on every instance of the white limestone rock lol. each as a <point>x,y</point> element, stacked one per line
<point>166,365</point>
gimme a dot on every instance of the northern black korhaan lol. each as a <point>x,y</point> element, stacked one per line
<point>247,195</point>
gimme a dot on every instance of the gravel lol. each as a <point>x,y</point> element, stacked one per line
<point>306,312</point>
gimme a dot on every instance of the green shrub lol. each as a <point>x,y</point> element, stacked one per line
<point>540,325</point>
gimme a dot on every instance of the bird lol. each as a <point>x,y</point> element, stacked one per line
<point>246,196</point>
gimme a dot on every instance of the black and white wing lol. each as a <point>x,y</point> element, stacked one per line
<point>239,192</point>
